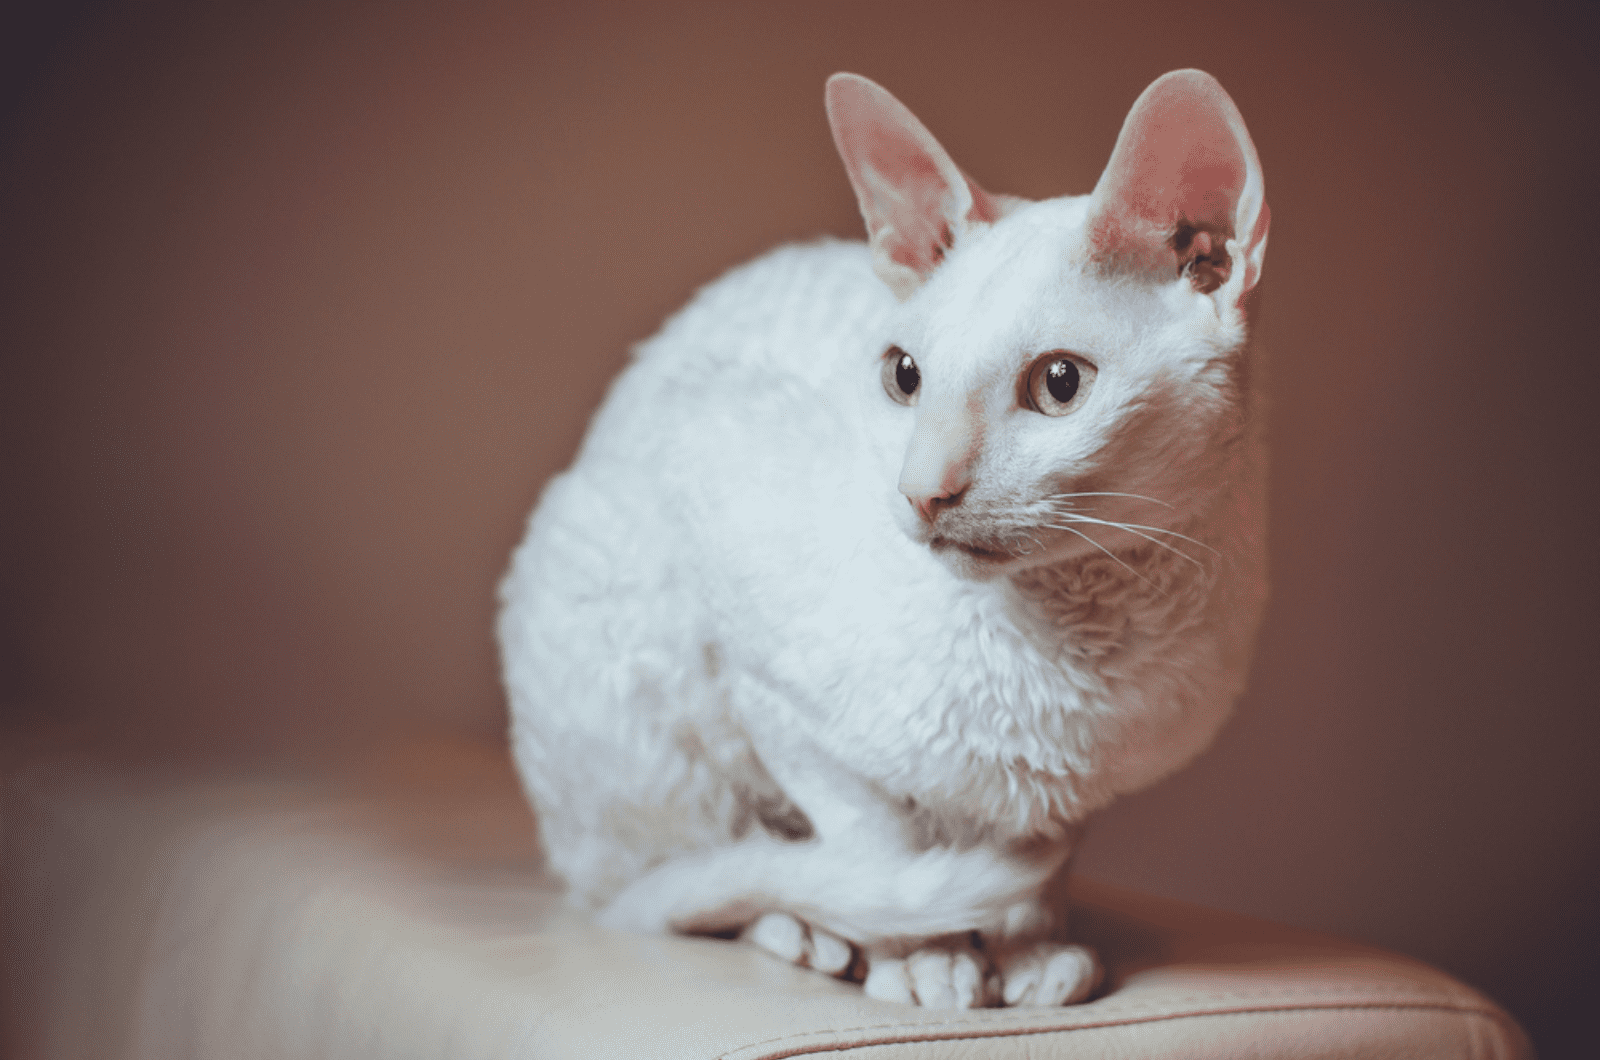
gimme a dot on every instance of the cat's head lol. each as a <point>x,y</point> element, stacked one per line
<point>1073,372</point>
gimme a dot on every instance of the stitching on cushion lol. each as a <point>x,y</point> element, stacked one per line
<point>977,1026</point>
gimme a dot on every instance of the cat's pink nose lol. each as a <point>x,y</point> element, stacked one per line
<point>931,494</point>
<point>929,505</point>
<point>939,459</point>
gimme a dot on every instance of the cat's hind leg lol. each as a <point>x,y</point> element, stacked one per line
<point>1033,966</point>
<point>1044,973</point>
<point>1019,964</point>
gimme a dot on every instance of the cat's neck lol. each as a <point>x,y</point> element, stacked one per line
<point>1097,604</point>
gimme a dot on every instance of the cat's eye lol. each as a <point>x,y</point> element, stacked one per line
<point>901,378</point>
<point>1056,383</point>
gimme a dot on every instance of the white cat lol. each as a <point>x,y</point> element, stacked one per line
<point>865,590</point>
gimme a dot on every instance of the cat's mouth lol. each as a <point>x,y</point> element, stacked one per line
<point>984,553</point>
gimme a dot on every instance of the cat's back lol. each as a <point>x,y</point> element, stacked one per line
<point>763,378</point>
<point>792,310</point>
<point>694,475</point>
<point>770,344</point>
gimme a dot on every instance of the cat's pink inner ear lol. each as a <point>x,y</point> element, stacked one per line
<point>1182,181</point>
<point>913,198</point>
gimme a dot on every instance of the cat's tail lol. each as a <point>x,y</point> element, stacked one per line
<point>864,895</point>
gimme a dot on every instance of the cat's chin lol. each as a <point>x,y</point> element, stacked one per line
<point>987,562</point>
<point>974,562</point>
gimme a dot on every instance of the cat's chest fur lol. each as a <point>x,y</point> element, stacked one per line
<point>756,425</point>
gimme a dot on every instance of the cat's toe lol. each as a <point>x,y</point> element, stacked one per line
<point>829,952</point>
<point>946,976</point>
<point>888,980</point>
<point>798,943</point>
<point>780,935</point>
<point>1047,974</point>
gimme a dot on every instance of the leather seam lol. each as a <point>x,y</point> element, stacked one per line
<point>969,1028</point>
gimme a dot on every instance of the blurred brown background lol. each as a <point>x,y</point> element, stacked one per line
<point>301,305</point>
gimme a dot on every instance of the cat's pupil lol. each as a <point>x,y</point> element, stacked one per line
<point>1061,379</point>
<point>906,375</point>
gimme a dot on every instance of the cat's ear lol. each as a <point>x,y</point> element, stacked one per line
<point>915,201</point>
<point>1183,192</point>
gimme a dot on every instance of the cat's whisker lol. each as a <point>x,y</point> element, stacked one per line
<point>1124,563</point>
<point>1162,544</point>
<point>1132,496</point>
<point>1136,532</point>
<point>1135,527</point>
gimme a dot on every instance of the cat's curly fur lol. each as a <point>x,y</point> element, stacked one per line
<point>748,677</point>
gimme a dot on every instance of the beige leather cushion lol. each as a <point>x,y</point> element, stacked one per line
<point>401,913</point>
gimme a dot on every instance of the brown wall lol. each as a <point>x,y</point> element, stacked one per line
<point>301,305</point>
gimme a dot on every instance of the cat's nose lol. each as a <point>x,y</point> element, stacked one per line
<point>938,465</point>
<point>930,506</point>
<point>931,494</point>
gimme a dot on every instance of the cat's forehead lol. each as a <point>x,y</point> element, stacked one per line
<point>1023,285</point>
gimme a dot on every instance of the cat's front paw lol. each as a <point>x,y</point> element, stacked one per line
<point>800,943</point>
<point>1045,974</point>
<point>955,972</point>
<point>945,973</point>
